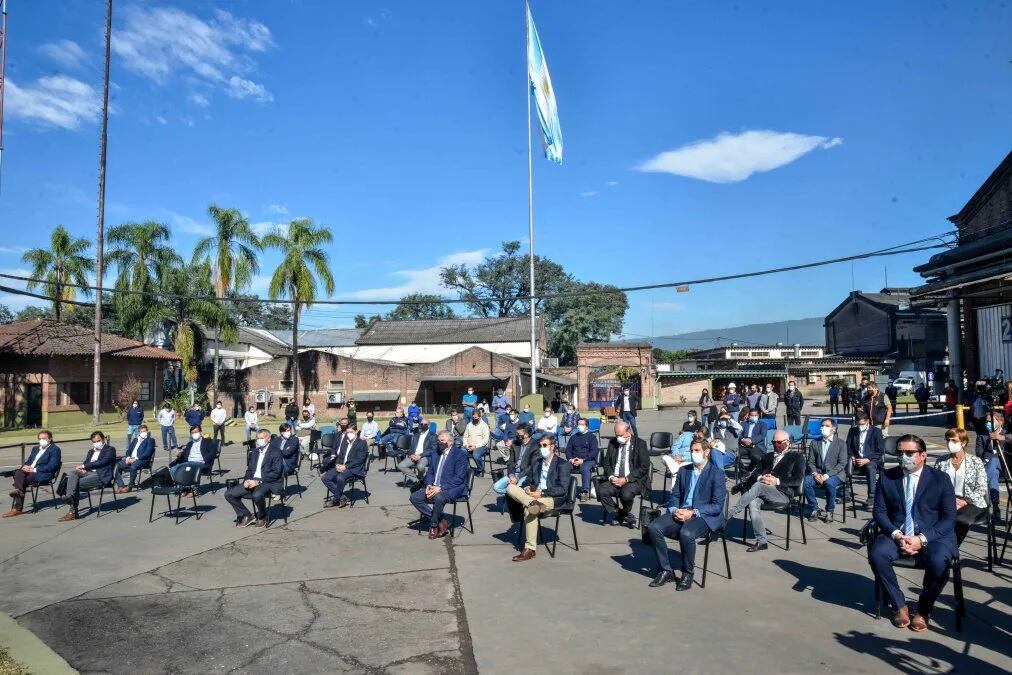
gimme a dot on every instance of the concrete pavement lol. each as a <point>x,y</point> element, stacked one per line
<point>357,590</point>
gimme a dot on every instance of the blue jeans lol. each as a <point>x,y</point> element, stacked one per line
<point>251,432</point>
<point>559,434</point>
<point>167,433</point>
<point>832,484</point>
<point>479,459</point>
<point>177,467</point>
<point>992,469</point>
<point>630,419</point>
<point>500,485</point>
<point>132,430</point>
<point>586,474</point>
<point>390,439</point>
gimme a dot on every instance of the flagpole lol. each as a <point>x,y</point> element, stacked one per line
<point>530,197</point>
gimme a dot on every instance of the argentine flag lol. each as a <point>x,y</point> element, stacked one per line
<point>544,94</point>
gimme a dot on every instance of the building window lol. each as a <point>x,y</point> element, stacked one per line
<point>144,394</point>
<point>78,393</point>
<point>287,385</point>
<point>335,385</point>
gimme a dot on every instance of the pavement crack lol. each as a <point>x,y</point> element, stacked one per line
<point>369,605</point>
<point>463,630</point>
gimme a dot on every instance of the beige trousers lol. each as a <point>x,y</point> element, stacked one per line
<point>530,521</point>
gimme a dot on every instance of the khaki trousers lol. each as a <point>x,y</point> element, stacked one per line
<point>530,521</point>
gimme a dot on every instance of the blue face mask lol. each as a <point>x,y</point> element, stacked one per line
<point>990,426</point>
<point>753,419</point>
<point>908,462</point>
<point>544,453</point>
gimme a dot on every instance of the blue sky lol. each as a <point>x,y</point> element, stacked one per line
<point>772,135</point>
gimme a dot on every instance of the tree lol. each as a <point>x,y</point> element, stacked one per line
<point>670,356</point>
<point>303,261</point>
<point>32,312</point>
<point>420,306</point>
<point>248,310</point>
<point>61,265</point>
<point>593,316</point>
<point>143,258</point>
<point>362,322</point>
<point>231,254</point>
<point>493,287</point>
<point>6,316</point>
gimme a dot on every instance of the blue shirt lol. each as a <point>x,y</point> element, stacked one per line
<point>543,483</point>
<point>687,502</point>
<point>470,400</point>
<point>499,403</point>
<point>732,402</point>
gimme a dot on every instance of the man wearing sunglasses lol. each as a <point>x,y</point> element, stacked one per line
<point>774,481</point>
<point>547,488</point>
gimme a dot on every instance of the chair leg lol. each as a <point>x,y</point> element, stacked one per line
<point>115,499</point>
<point>151,512</point>
<point>878,599</point>
<point>727,560</point>
<point>845,491</point>
<point>470,520</point>
<point>801,519</point>
<point>179,501</point>
<point>453,521</point>
<point>365,489</point>
<point>788,547</point>
<point>298,482</point>
<point>193,495</point>
<point>90,507</point>
<point>572,524</point>
<point>706,560</point>
<point>957,589</point>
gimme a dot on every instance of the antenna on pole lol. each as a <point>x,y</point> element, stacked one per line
<point>3,78</point>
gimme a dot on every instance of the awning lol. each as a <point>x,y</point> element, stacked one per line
<point>554,379</point>
<point>376,395</point>
<point>708,374</point>
<point>463,378</point>
<point>960,281</point>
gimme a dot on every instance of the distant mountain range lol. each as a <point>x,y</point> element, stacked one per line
<point>801,331</point>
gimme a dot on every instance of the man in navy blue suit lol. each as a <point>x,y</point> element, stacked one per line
<point>547,488</point>
<point>445,481</point>
<point>423,445</point>
<point>92,473</point>
<point>288,442</point>
<point>139,455</point>
<point>349,460</point>
<point>752,440</point>
<point>264,472</point>
<point>695,509</point>
<point>866,446</point>
<point>41,465</point>
<point>915,509</point>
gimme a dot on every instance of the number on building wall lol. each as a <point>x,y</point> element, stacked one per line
<point>1006,329</point>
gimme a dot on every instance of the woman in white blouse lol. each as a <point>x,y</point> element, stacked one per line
<point>969,479</point>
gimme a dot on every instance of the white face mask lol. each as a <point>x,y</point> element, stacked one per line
<point>286,434</point>
<point>581,430</point>
<point>697,458</point>
<point>98,445</point>
<point>547,415</point>
<point>195,437</point>
<point>261,443</point>
<point>862,427</point>
<point>43,443</point>
<point>954,447</point>
<point>351,434</point>
<point>143,435</point>
<point>827,432</point>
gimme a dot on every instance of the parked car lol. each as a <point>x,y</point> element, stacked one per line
<point>904,385</point>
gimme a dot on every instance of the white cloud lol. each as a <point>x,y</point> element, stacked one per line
<point>280,209</point>
<point>12,249</point>
<point>265,227</point>
<point>161,120</point>
<point>241,88</point>
<point>56,101</point>
<point>668,306</point>
<point>421,280</point>
<point>729,158</point>
<point>198,100</point>
<point>160,41</point>
<point>187,120</point>
<point>589,193</point>
<point>188,225</point>
<point>65,53</point>
<point>612,183</point>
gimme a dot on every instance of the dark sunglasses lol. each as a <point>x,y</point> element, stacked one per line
<point>545,445</point>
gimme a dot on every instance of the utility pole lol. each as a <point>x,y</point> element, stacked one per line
<point>99,252</point>
<point>3,72</point>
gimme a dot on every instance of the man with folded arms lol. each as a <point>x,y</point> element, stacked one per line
<point>350,460</point>
<point>92,473</point>
<point>139,455</point>
<point>39,467</point>
<point>547,488</point>
<point>445,482</point>
<point>263,477</point>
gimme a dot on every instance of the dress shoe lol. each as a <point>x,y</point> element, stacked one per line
<point>919,622</point>
<point>329,504</point>
<point>584,496</point>
<point>528,554</point>
<point>433,533</point>
<point>902,617</point>
<point>244,521</point>
<point>685,583</point>
<point>343,503</point>
<point>68,517</point>
<point>12,513</point>
<point>662,578</point>
<point>736,489</point>
<point>444,528</point>
<point>757,547</point>
<point>630,521</point>
<point>535,507</point>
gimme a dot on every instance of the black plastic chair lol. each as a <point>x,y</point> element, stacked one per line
<point>467,501</point>
<point>51,485</point>
<point>349,485</point>
<point>795,502</point>
<point>660,444</point>
<point>295,473</point>
<point>187,480</point>
<point>705,540</point>
<point>111,486</point>
<point>402,445</point>
<point>558,513</point>
<point>868,534</point>
<point>327,443</point>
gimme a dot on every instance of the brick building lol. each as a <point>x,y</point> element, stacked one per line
<point>47,370</point>
<point>597,363</point>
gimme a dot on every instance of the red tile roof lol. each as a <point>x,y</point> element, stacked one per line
<point>40,337</point>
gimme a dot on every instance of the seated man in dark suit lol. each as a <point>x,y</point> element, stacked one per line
<point>40,466</point>
<point>350,460</point>
<point>547,488</point>
<point>139,455</point>
<point>752,440</point>
<point>264,472</point>
<point>866,446</point>
<point>423,444</point>
<point>915,510</point>
<point>524,451</point>
<point>290,447</point>
<point>198,451</point>
<point>696,508</point>
<point>627,470</point>
<point>827,467</point>
<point>92,473</point>
<point>773,481</point>
<point>445,481</point>
<point>582,455</point>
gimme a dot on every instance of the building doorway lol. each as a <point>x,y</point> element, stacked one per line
<point>33,405</point>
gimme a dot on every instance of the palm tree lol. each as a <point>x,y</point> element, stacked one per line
<point>294,278</point>
<point>231,254</point>
<point>62,265</point>
<point>142,256</point>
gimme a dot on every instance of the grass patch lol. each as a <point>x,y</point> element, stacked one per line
<point>9,666</point>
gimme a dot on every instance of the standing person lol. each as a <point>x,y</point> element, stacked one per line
<point>753,397</point>
<point>768,403</point>
<point>134,419</point>
<point>414,414</point>
<point>862,392</point>
<point>705,403</point>
<point>877,408</point>
<point>732,401</point>
<point>845,395</point>
<point>94,471</point>
<point>500,404</point>
<point>167,421</point>
<point>252,420</point>
<point>468,401</point>
<point>980,408</point>
<point>793,402</point>
<point>292,413</point>
<point>218,419</point>
<point>352,413</point>
<point>194,416</point>
<point>950,397</point>
<point>834,399</point>
<point>627,404</point>
<point>921,396</point>
<point>41,465</point>
<point>891,393</point>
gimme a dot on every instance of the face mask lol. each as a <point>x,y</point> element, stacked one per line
<point>286,434</point>
<point>136,405</point>
<point>697,458</point>
<point>581,430</point>
<point>863,427</point>
<point>547,415</point>
<point>143,434</point>
<point>990,426</point>
<point>475,420</point>
<point>722,424</point>
<point>527,410</point>
<point>544,453</point>
<point>369,418</point>
<point>753,419</point>
<point>261,443</point>
<point>778,449</point>
<point>954,447</point>
<point>195,437</point>
<point>827,432</point>
<point>692,418</point>
<point>908,462</point>
<point>791,387</point>
<point>98,445</point>
<point>43,443</point>
<point>351,435</point>
<point>218,406</point>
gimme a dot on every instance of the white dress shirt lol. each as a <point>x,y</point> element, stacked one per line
<point>623,462</point>
<point>860,442</point>
<point>260,463</point>
<point>420,448</point>
<point>42,451</point>
<point>218,416</point>
<point>195,455</point>
<point>957,476</point>
<point>94,455</point>
<point>137,443</point>
<point>913,478</point>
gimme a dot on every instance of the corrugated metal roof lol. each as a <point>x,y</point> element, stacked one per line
<point>722,373</point>
<point>442,331</point>
<point>40,337</point>
<point>320,337</point>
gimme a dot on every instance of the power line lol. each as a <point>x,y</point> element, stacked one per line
<point>899,249</point>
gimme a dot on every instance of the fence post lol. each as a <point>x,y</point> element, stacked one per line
<point>959,416</point>
<point>22,454</point>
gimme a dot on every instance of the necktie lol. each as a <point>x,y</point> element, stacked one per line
<point>621,462</point>
<point>908,520</point>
